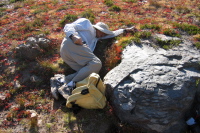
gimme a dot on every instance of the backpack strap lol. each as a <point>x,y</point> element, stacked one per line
<point>97,81</point>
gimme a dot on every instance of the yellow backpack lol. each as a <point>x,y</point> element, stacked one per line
<point>89,93</point>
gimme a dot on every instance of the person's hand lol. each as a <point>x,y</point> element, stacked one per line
<point>77,40</point>
<point>132,29</point>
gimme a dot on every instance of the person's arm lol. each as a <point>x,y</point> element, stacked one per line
<point>115,33</point>
<point>120,31</point>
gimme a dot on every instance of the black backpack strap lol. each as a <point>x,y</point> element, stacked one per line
<point>97,81</point>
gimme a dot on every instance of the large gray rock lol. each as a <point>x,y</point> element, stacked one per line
<point>28,51</point>
<point>32,47</point>
<point>153,88</point>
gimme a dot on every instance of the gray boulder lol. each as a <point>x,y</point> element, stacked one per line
<point>28,51</point>
<point>32,47</point>
<point>40,40</point>
<point>153,88</point>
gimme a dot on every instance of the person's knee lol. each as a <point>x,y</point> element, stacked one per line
<point>96,66</point>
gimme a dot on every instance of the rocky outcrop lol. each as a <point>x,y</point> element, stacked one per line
<point>153,88</point>
<point>32,48</point>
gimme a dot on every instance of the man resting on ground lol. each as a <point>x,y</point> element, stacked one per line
<point>77,49</point>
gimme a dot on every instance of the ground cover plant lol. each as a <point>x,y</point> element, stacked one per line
<point>20,19</point>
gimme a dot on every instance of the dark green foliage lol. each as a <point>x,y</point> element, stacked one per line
<point>182,9</point>
<point>167,44</point>
<point>143,34</point>
<point>89,15</point>
<point>13,1</point>
<point>2,11</point>
<point>109,2</point>
<point>115,8</point>
<point>133,1</point>
<point>151,26</point>
<point>190,29</point>
<point>197,45</point>
<point>67,19</point>
<point>171,32</point>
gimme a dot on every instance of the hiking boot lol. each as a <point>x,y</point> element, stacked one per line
<point>65,91</point>
<point>55,84</point>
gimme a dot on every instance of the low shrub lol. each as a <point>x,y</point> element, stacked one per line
<point>143,34</point>
<point>168,44</point>
<point>13,1</point>
<point>182,9</point>
<point>151,26</point>
<point>197,45</point>
<point>124,41</point>
<point>2,11</point>
<point>113,56</point>
<point>155,3</point>
<point>67,19</point>
<point>89,15</point>
<point>133,1</point>
<point>190,29</point>
<point>109,3</point>
<point>197,37</point>
<point>171,32</point>
<point>115,8</point>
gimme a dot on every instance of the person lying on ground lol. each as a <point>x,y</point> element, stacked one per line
<point>78,45</point>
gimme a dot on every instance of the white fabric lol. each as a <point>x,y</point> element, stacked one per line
<point>84,29</point>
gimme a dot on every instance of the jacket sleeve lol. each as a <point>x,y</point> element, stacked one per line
<point>115,33</point>
<point>78,25</point>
